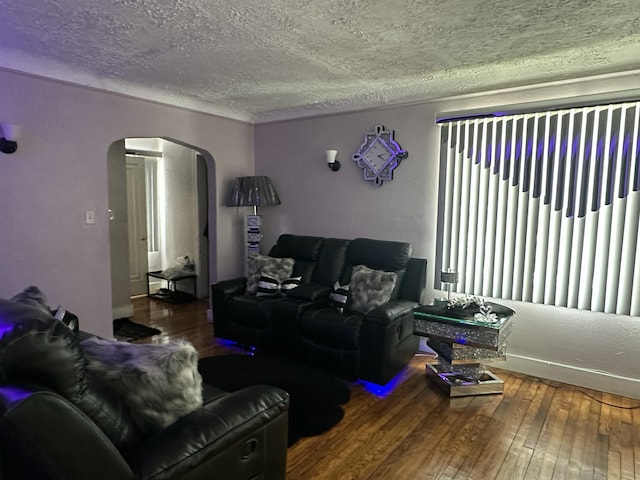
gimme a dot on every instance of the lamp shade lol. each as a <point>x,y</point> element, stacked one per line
<point>449,277</point>
<point>255,191</point>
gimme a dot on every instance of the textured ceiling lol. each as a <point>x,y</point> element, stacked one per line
<point>262,60</point>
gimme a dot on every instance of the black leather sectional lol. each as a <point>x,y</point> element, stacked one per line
<point>306,325</point>
<point>57,421</point>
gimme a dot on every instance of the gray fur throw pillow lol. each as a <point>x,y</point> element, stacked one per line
<point>278,268</point>
<point>370,288</point>
<point>158,383</point>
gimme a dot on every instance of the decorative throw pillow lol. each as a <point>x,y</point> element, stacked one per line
<point>370,288</point>
<point>340,295</point>
<point>289,284</point>
<point>278,268</point>
<point>158,383</point>
<point>270,287</point>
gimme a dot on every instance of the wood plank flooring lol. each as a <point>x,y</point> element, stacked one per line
<point>537,429</point>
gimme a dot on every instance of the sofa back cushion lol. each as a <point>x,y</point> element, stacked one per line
<point>383,255</point>
<point>333,257</point>
<point>305,250</point>
<point>36,348</point>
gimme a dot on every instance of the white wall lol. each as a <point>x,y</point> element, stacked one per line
<point>585,348</point>
<point>182,228</point>
<point>60,171</point>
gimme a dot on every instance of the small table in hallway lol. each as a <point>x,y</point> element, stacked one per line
<point>463,344</point>
<point>172,294</point>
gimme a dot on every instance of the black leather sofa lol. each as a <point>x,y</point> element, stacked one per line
<point>59,422</point>
<point>373,346</point>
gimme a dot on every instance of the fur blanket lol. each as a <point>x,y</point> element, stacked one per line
<point>158,383</point>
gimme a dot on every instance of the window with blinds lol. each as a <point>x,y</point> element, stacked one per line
<point>544,207</point>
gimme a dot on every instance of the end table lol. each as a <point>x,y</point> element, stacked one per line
<point>463,343</point>
<point>172,294</point>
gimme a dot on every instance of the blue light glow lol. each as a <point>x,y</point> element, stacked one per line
<point>382,391</point>
<point>14,394</point>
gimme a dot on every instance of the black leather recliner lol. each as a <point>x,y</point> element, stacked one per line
<point>373,346</point>
<point>58,422</point>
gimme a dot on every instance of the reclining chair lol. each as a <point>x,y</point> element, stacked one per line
<point>57,421</point>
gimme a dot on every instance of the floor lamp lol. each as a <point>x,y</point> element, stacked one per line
<point>253,192</point>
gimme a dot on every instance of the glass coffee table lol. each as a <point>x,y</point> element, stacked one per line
<point>464,341</point>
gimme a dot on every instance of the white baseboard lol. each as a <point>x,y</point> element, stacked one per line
<point>123,311</point>
<point>594,379</point>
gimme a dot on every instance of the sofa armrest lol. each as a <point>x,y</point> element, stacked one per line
<point>233,431</point>
<point>229,288</point>
<point>389,312</point>
<point>414,282</point>
<point>41,432</point>
<point>310,292</point>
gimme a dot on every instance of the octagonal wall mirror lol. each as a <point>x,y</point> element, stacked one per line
<point>379,155</point>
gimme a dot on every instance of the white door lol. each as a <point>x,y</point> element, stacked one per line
<point>137,212</point>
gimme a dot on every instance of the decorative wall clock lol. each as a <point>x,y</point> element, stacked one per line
<point>379,155</point>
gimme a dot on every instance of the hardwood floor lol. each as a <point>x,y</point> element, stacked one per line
<point>537,429</point>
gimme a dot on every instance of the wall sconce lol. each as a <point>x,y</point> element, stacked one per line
<point>9,141</point>
<point>334,164</point>
<point>449,278</point>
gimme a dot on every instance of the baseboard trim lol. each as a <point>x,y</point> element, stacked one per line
<point>583,377</point>
<point>123,311</point>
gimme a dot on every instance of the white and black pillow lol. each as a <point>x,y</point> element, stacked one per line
<point>289,284</point>
<point>370,288</point>
<point>340,295</point>
<point>257,265</point>
<point>269,286</point>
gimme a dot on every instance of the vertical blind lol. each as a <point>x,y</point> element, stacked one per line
<point>544,207</point>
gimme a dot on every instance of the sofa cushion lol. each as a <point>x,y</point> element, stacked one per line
<point>36,348</point>
<point>380,254</point>
<point>309,292</point>
<point>158,383</point>
<point>278,268</point>
<point>329,327</point>
<point>305,250</point>
<point>370,288</point>
<point>32,296</point>
<point>331,261</point>
<point>299,247</point>
<point>251,311</point>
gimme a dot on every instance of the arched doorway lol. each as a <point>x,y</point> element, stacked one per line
<point>182,219</point>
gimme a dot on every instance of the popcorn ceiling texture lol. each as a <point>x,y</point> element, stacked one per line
<point>263,60</point>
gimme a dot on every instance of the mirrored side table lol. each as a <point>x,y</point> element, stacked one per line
<point>463,344</point>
